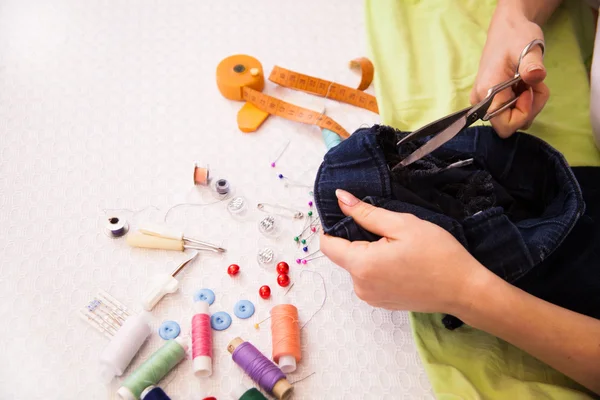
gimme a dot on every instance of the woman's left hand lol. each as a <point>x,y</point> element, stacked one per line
<point>415,266</point>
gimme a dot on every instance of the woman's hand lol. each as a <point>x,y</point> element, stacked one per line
<point>509,32</point>
<point>416,266</point>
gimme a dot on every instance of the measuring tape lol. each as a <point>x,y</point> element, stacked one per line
<point>330,90</point>
<point>241,77</point>
<point>273,106</point>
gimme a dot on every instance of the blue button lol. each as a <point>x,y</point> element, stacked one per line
<point>243,309</point>
<point>220,321</point>
<point>169,330</point>
<point>205,295</point>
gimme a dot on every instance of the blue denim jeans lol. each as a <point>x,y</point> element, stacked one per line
<point>511,209</point>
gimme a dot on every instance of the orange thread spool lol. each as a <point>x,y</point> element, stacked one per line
<point>201,175</point>
<point>285,333</point>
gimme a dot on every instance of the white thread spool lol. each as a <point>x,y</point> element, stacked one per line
<point>202,364</point>
<point>124,346</point>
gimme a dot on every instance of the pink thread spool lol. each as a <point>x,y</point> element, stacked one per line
<point>201,340</point>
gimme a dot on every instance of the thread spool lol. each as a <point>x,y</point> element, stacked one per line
<point>153,369</point>
<point>242,393</point>
<point>222,186</point>
<point>330,138</point>
<point>124,346</point>
<point>201,175</point>
<point>285,334</point>
<point>116,227</point>
<point>258,367</point>
<point>154,393</point>
<point>201,340</point>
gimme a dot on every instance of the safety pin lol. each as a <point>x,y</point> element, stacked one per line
<point>287,212</point>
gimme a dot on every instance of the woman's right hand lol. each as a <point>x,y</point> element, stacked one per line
<point>509,32</point>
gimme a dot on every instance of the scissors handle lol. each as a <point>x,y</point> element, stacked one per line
<point>494,90</point>
<point>517,79</point>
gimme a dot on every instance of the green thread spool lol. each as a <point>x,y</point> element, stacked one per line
<point>240,393</point>
<point>330,138</point>
<point>253,394</point>
<point>153,369</point>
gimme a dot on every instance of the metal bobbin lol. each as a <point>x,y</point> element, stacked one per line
<point>222,186</point>
<point>116,227</point>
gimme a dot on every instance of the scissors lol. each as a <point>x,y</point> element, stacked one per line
<point>448,127</point>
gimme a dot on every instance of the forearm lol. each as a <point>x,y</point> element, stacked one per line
<point>565,340</point>
<point>538,11</point>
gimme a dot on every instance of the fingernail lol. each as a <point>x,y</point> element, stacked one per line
<point>535,67</point>
<point>346,198</point>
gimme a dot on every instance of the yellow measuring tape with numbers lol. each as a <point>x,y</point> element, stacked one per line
<point>241,77</point>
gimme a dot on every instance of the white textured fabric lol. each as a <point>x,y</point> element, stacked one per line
<point>107,104</point>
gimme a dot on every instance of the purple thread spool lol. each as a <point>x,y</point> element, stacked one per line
<point>262,370</point>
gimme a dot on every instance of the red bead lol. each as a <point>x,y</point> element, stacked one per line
<point>283,268</point>
<point>209,398</point>
<point>265,292</point>
<point>283,280</point>
<point>233,269</point>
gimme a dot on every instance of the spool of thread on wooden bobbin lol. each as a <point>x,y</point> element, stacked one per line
<point>285,334</point>
<point>154,368</point>
<point>262,370</point>
<point>201,340</point>
<point>201,175</point>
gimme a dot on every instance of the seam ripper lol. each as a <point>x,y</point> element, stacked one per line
<point>162,285</point>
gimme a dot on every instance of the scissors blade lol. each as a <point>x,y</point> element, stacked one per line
<point>434,127</point>
<point>436,141</point>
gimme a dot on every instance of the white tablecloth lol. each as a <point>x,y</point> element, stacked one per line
<point>107,104</point>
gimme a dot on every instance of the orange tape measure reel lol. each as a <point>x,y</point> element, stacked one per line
<point>240,77</point>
